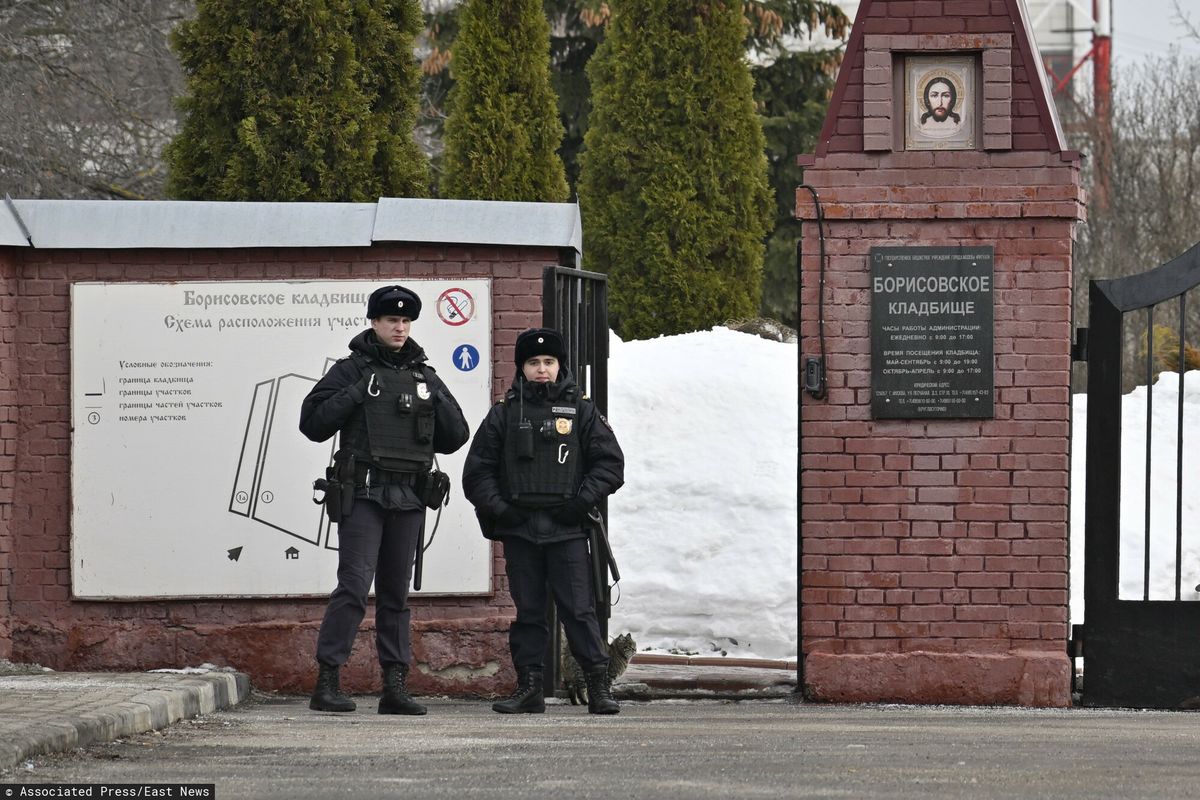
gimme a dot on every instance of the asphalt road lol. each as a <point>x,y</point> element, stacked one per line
<point>277,748</point>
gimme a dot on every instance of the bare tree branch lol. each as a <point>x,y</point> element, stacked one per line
<point>1148,160</point>
<point>87,100</point>
<point>1192,28</point>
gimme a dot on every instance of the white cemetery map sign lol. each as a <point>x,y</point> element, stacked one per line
<point>189,474</point>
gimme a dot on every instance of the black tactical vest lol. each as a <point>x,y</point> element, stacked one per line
<point>394,427</point>
<point>542,458</point>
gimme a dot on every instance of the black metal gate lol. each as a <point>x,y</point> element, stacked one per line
<point>575,303</point>
<point>1140,652</point>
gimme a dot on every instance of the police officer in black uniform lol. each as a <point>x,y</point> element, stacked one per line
<point>393,413</point>
<point>541,460</point>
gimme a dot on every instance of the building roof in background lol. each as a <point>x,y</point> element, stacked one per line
<point>115,224</point>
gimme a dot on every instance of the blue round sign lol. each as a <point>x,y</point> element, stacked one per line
<point>465,358</point>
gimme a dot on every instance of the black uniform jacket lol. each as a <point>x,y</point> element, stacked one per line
<point>602,473</point>
<point>340,394</point>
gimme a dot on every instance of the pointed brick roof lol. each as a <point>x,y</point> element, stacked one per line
<point>1000,29</point>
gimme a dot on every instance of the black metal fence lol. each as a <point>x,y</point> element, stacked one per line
<point>1139,651</point>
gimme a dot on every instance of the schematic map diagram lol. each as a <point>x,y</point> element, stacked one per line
<point>276,466</point>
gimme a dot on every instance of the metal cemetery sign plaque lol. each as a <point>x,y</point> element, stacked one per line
<point>931,332</point>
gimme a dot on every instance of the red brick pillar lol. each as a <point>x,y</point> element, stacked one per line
<point>8,439</point>
<point>935,549</point>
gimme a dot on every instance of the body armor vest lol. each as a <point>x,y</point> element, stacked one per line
<point>394,427</point>
<point>542,457</point>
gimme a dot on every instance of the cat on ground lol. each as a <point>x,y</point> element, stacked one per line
<point>620,650</point>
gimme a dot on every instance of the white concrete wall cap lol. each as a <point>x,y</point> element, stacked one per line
<point>479,222</point>
<point>175,224</point>
<point>117,224</point>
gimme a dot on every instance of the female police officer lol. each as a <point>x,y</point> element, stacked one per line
<point>543,457</point>
<point>393,413</point>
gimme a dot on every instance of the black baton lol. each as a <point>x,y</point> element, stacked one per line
<point>419,562</point>
<point>598,561</point>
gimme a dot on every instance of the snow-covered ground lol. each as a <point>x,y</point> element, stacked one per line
<point>704,529</point>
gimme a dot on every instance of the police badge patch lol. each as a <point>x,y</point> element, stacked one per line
<point>562,425</point>
<point>423,391</point>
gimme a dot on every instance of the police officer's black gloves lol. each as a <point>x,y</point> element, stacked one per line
<point>512,516</point>
<point>572,512</point>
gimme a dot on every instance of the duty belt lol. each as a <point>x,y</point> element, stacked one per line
<point>368,475</point>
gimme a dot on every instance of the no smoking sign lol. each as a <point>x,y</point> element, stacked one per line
<point>455,306</point>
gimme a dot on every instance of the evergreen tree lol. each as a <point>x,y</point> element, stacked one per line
<point>793,102</point>
<point>792,87</point>
<point>502,129</point>
<point>673,183</point>
<point>577,28</point>
<point>298,100</point>
<point>778,38</point>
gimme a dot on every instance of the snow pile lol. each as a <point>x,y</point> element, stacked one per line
<point>704,530</point>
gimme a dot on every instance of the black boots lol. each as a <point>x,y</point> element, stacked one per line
<point>396,699</point>
<point>327,696</point>
<point>600,699</point>
<point>527,699</point>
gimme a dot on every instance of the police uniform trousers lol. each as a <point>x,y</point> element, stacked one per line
<point>566,566</point>
<point>373,542</point>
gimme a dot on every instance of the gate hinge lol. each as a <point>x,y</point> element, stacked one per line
<point>1079,351</point>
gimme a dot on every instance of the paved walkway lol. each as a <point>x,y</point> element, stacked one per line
<point>274,748</point>
<point>50,712</point>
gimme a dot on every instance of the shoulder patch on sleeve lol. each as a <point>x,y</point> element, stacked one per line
<point>603,419</point>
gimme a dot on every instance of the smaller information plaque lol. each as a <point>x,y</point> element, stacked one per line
<point>932,333</point>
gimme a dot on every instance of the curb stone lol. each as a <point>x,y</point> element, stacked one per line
<point>54,712</point>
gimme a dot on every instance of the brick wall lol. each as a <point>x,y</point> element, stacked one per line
<point>459,643</point>
<point>935,550</point>
<point>8,440</point>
